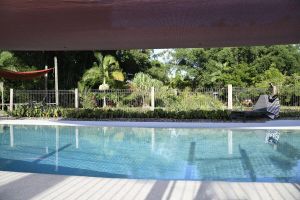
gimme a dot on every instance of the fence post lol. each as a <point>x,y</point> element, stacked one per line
<point>11,99</point>
<point>229,92</point>
<point>274,90</point>
<point>152,99</point>
<point>76,98</point>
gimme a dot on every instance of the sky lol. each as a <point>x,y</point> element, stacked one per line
<point>162,55</point>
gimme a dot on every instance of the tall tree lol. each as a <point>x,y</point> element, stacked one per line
<point>134,61</point>
<point>241,66</point>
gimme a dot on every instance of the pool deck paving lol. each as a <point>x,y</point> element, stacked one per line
<point>260,124</point>
<point>17,185</point>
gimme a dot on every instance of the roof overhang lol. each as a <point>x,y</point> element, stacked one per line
<point>128,24</point>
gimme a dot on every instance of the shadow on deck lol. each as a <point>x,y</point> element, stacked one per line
<point>15,185</point>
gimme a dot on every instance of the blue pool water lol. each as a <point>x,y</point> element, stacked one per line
<point>153,153</point>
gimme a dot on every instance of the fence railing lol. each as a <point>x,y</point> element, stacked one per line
<point>66,98</point>
<point>120,98</point>
<point>245,98</point>
<point>204,99</point>
<point>232,98</point>
<point>289,96</point>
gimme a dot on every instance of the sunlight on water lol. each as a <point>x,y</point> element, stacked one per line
<point>153,153</point>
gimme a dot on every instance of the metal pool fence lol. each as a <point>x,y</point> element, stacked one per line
<point>206,99</point>
<point>232,98</point>
<point>66,98</point>
<point>245,98</point>
<point>119,98</point>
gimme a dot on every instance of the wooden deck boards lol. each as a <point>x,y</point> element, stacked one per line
<point>14,185</point>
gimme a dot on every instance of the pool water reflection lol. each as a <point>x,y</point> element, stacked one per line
<point>153,153</point>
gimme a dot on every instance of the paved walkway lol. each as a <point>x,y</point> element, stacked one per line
<point>23,186</point>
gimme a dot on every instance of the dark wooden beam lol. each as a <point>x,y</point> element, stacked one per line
<point>127,24</point>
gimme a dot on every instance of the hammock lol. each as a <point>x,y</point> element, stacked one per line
<point>23,75</point>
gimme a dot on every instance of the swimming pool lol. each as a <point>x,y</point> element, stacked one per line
<point>254,155</point>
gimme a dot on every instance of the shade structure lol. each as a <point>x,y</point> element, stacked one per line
<point>127,24</point>
<point>7,74</point>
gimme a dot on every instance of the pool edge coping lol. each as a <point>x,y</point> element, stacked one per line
<point>275,124</point>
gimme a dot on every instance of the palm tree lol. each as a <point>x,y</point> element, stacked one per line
<point>105,71</point>
<point>110,70</point>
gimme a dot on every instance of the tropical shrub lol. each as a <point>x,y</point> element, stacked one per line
<point>36,111</point>
<point>132,113</point>
<point>88,99</point>
<point>141,85</point>
<point>106,71</point>
<point>188,100</point>
<point>102,113</point>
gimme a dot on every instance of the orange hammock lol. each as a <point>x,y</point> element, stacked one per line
<point>23,75</point>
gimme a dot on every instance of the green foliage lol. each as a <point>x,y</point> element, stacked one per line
<point>159,71</point>
<point>188,100</point>
<point>88,99</point>
<point>134,61</point>
<point>90,79</point>
<point>114,99</point>
<point>290,91</point>
<point>36,111</point>
<point>71,66</point>
<point>110,67</point>
<point>8,61</point>
<point>241,94</point>
<point>142,82</point>
<point>193,68</point>
<point>290,112</point>
<point>141,85</point>
<point>243,66</point>
<point>182,76</point>
<point>24,111</point>
<point>132,114</point>
<point>272,75</point>
<point>106,71</point>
